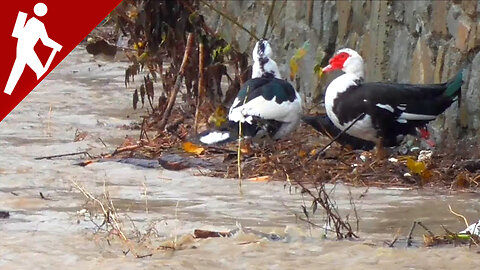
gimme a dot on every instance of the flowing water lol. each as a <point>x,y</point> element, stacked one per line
<point>47,233</point>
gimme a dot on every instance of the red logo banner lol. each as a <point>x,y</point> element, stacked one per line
<point>36,36</point>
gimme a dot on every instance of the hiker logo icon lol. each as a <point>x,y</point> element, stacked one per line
<point>28,35</point>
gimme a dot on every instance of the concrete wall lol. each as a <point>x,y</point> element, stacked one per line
<point>401,41</point>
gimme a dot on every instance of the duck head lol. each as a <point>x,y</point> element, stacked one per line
<point>263,64</point>
<point>347,60</point>
<point>262,49</point>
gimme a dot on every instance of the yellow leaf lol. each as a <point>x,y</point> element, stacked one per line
<point>218,117</point>
<point>293,68</point>
<point>417,167</point>
<point>299,55</point>
<point>318,70</point>
<point>192,148</point>
<point>302,153</point>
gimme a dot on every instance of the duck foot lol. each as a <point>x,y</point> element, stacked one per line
<point>380,151</point>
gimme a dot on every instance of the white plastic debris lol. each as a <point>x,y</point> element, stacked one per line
<point>363,157</point>
<point>393,160</point>
<point>407,174</point>
<point>425,155</point>
<point>83,213</point>
<point>415,148</point>
<point>473,229</point>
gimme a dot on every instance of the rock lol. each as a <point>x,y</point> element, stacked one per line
<point>438,20</point>
<point>472,94</point>
<point>452,19</point>
<point>437,76</point>
<point>421,67</point>
<point>463,32</point>
<point>344,10</point>
<point>470,7</point>
<point>400,55</point>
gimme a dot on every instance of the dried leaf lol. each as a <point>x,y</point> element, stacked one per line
<point>135,99</point>
<point>149,87</point>
<point>218,117</point>
<point>461,181</point>
<point>202,234</point>
<point>314,207</point>
<point>305,212</point>
<point>264,178</point>
<point>193,148</point>
<point>142,93</point>
<point>80,136</point>
<point>416,167</point>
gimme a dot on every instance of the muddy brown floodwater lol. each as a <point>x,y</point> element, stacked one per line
<point>48,233</point>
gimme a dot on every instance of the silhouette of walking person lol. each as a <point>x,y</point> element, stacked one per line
<point>28,35</point>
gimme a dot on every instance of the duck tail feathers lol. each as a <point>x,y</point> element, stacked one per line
<point>454,86</point>
<point>211,137</point>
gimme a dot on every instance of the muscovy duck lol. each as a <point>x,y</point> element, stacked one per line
<point>266,105</point>
<point>385,111</point>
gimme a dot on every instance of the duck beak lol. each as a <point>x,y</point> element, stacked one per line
<point>327,68</point>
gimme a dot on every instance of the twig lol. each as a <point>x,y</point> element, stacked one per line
<point>124,149</point>
<point>278,15</point>
<point>220,149</point>
<point>239,151</point>
<point>332,214</point>
<point>409,237</point>
<point>201,83</point>
<point>106,212</point>
<point>230,19</point>
<point>426,229</point>
<point>65,155</point>
<point>394,240</point>
<point>458,215</point>
<point>354,206</point>
<point>240,135</point>
<point>178,82</point>
<point>145,194</point>
<point>272,7</point>
<point>306,220</point>
<point>336,137</point>
<point>100,139</point>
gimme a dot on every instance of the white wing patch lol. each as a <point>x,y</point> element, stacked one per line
<point>385,107</point>
<point>287,111</point>
<point>215,137</point>
<point>414,116</point>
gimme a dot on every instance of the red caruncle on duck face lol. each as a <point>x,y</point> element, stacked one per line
<point>336,62</point>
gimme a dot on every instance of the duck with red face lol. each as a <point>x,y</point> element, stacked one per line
<point>385,111</point>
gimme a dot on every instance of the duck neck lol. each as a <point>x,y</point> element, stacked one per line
<point>355,68</point>
<point>265,67</point>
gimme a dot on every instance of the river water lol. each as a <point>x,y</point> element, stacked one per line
<point>89,96</point>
